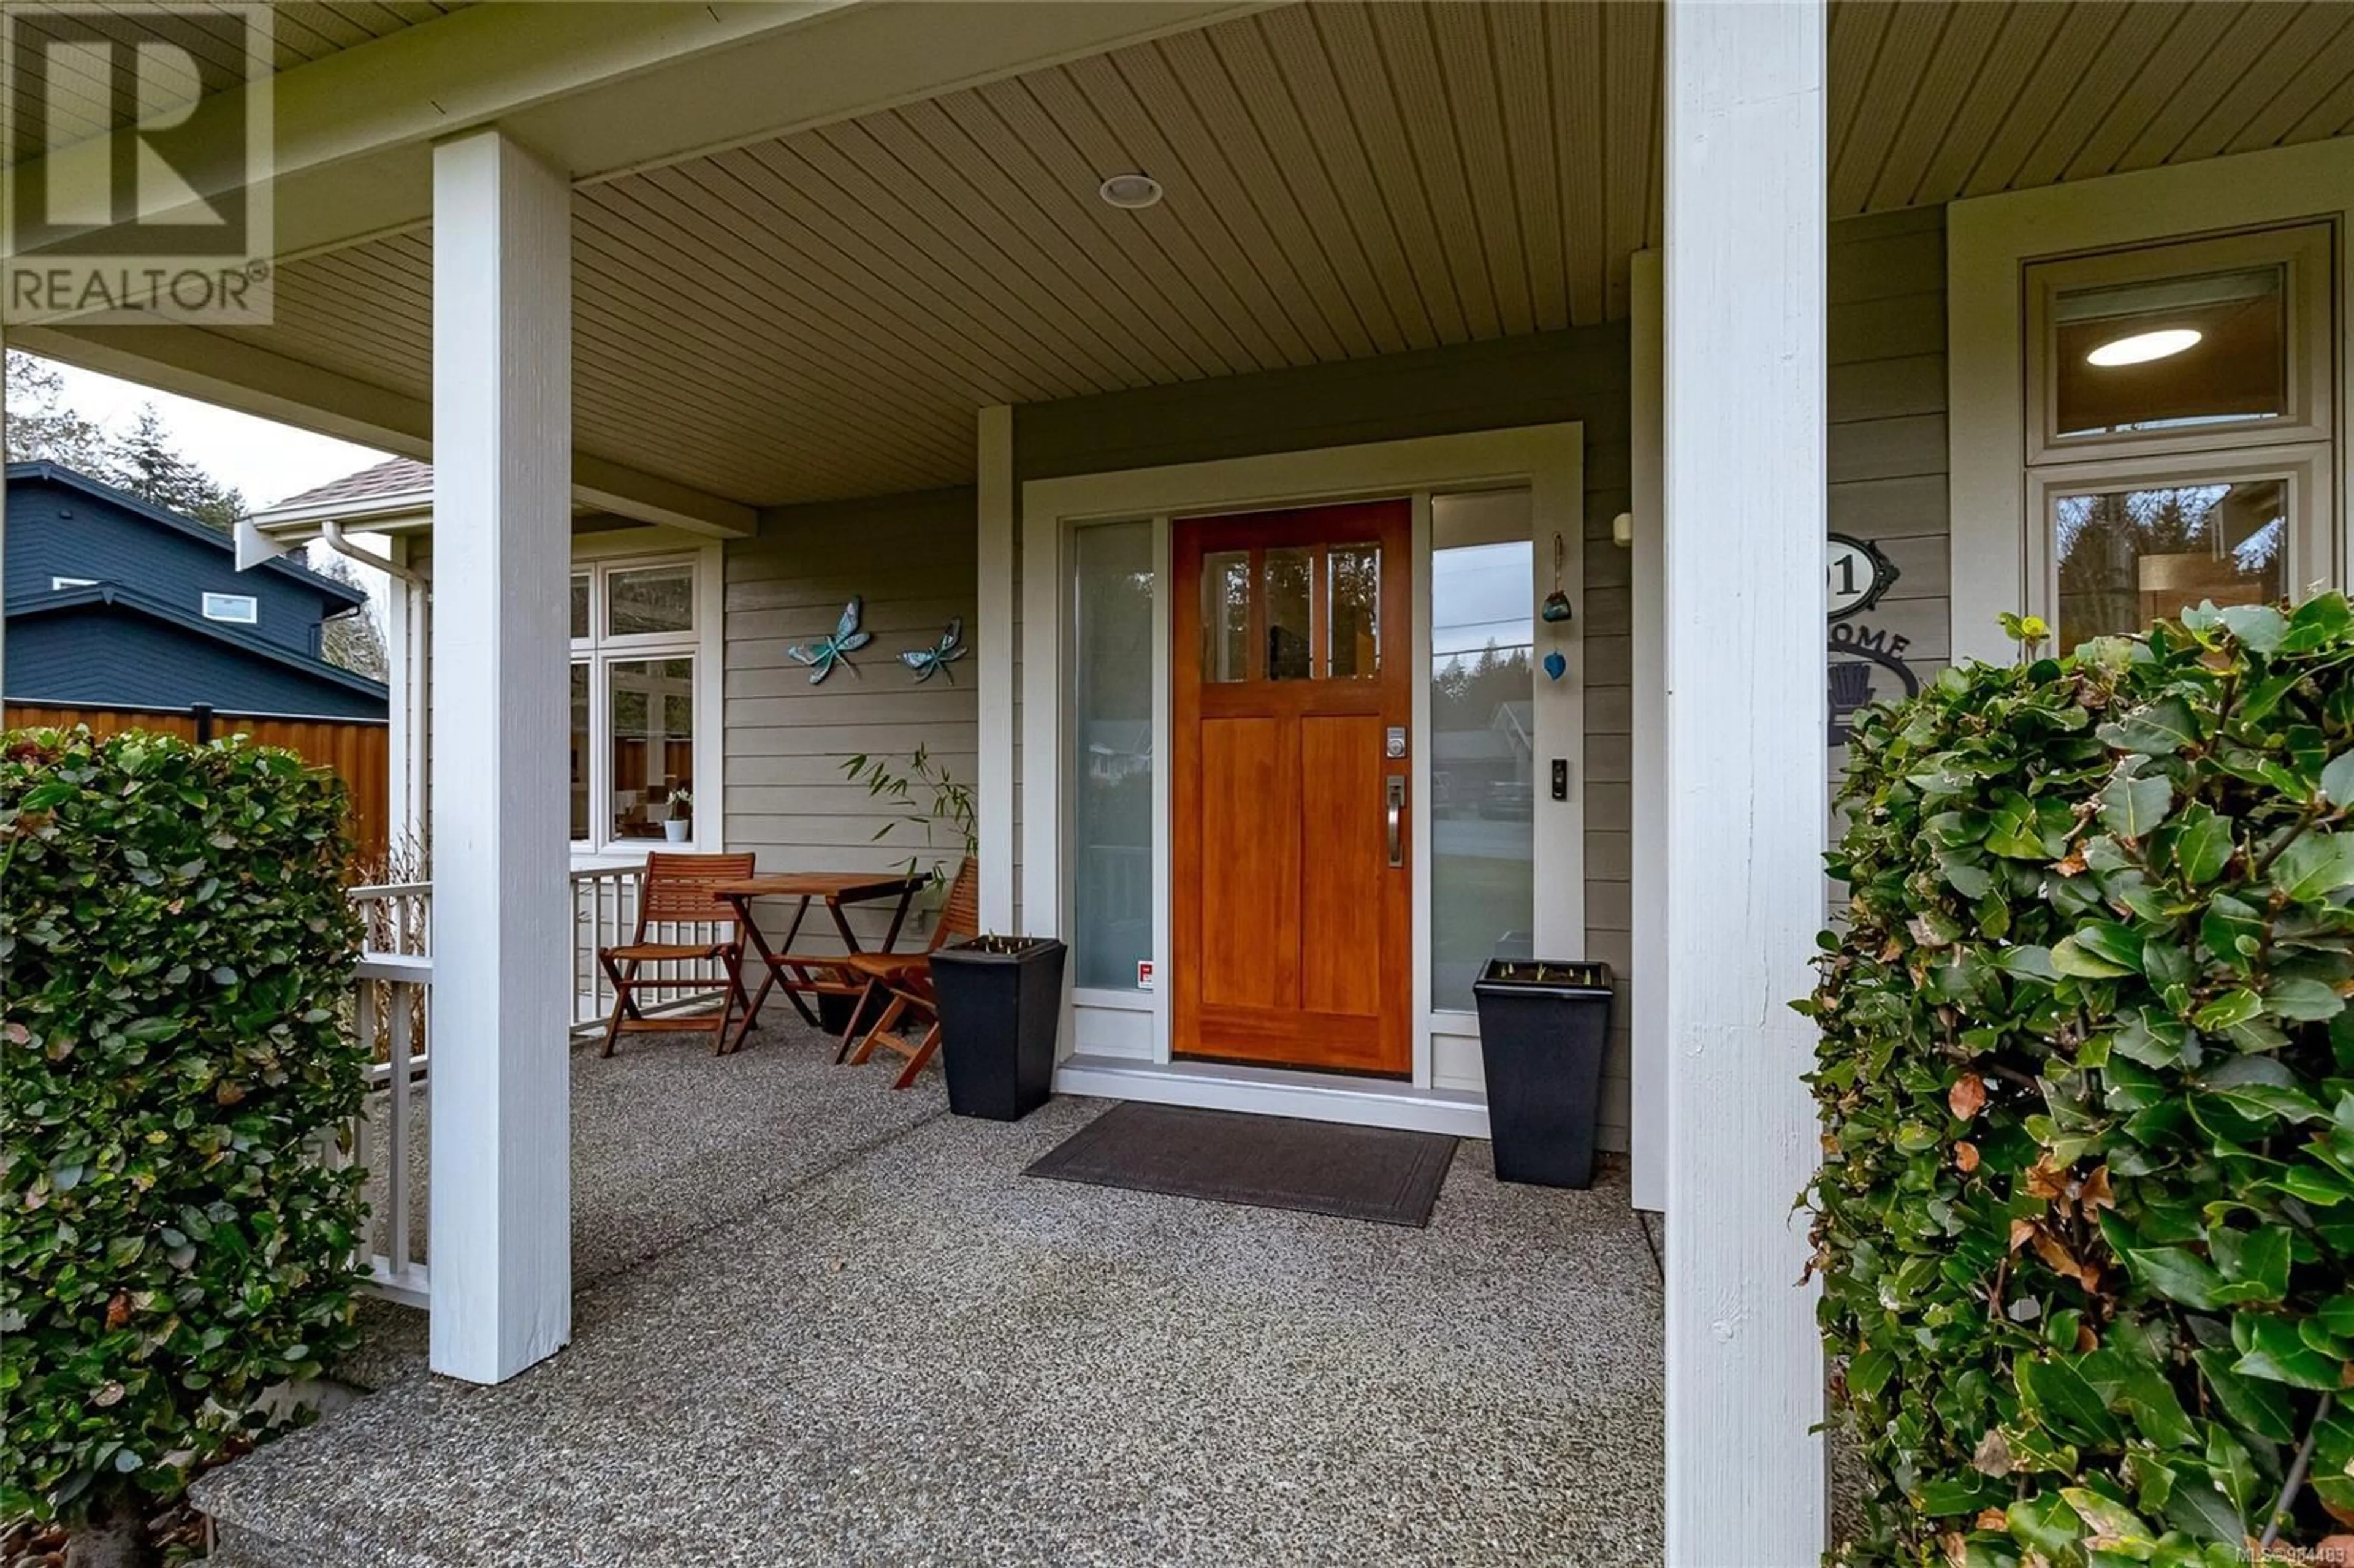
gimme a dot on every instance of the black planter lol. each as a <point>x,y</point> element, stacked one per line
<point>1544,1026</point>
<point>1000,1009</point>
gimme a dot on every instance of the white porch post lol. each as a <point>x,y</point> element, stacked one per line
<point>1745,498</point>
<point>502,1183</point>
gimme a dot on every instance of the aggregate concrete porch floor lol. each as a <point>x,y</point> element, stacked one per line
<point>897,1349</point>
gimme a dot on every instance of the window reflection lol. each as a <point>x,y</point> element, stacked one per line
<point>2129,557</point>
<point>1225,616</point>
<point>653,722</point>
<point>1290,582</point>
<point>1483,740</point>
<point>1113,808</point>
<point>1354,596</point>
<point>2172,353</point>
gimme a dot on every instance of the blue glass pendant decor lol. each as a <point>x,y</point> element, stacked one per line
<point>1556,667</point>
<point>823,654</point>
<point>930,661</point>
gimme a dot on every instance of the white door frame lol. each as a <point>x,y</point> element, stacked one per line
<point>1549,459</point>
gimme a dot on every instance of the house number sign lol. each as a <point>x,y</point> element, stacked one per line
<point>1859,574</point>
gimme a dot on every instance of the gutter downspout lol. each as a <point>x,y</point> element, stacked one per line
<point>331,534</point>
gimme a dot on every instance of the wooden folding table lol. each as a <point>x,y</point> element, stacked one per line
<point>802,974</point>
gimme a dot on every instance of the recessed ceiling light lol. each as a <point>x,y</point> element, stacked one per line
<point>1131,192</point>
<point>2144,346</point>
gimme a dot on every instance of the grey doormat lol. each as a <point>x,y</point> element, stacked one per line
<point>1268,1161</point>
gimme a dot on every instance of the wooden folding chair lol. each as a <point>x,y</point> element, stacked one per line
<point>906,977</point>
<point>677,894</point>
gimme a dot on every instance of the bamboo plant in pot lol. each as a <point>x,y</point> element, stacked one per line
<point>1000,998</point>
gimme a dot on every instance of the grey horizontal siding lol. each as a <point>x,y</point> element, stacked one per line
<point>1887,441</point>
<point>914,560</point>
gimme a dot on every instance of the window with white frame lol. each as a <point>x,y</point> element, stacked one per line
<point>241,609</point>
<point>2180,428</point>
<point>634,649</point>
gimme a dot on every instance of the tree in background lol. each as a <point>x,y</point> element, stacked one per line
<point>354,642</point>
<point>149,466</point>
<point>42,427</point>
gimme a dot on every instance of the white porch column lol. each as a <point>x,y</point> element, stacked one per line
<point>1745,498</point>
<point>502,1248</point>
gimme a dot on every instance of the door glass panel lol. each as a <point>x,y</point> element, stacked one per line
<point>650,600</point>
<point>1289,587</point>
<point>654,741</point>
<point>2128,557</point>
<point>1225,616</point>
<point>1355,593</point>
<point>1112,807</point>
<point>580,746</point>
<point>580,606</point>
<point>1483,738</point>
<point>2172,353</point>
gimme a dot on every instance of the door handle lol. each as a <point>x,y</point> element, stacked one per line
<point>1397,805</point>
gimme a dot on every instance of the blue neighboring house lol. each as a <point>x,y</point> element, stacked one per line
<point>114,602</point>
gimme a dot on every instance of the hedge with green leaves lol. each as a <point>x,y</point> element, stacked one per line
<point>174,941</point>
<point>2085,1218</point>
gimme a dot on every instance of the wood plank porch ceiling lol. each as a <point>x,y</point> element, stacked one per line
<point>90,101</point>
<point>818,315</point>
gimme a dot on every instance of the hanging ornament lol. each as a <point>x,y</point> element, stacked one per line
<point>1556,605</point>
<point>1556,667</point>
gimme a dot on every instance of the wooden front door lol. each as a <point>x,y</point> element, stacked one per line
<point>1290,866</point>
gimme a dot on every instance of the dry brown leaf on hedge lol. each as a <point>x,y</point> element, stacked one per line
<point>2022,1233</point>
<point>2095,1194</point>
<point>118,1310</point>
<point>2056,1254</point>
<point>1966,1157</point>
<point>2047,1180</point>
<point>2072,866</point>
<point>1993,1519</point>
<point>1967,1096</point>
<point>228,1093</point>
<point>1957,1550</point>
<point>1993,1456</point>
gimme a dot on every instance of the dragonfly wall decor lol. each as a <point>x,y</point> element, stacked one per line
<point>930,661</point>
<point>823,654</point>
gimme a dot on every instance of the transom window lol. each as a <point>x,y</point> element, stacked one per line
<point>634,645</point>
<point>239,608</point>
<point>2179,428</point>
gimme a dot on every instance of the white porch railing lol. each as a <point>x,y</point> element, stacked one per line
<point>392,993</point>
<point>604,914</point>
<point>390,996</point>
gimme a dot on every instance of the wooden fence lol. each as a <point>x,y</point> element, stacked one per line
<point>358,750</point>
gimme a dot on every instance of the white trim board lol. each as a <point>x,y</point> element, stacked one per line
<point>1311,1097</point>
<point>1989,239</point>
<point>999,538</point>
<point>1549,459</point>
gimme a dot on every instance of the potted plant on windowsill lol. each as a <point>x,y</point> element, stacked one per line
<point>676,825</point>
<point>1544,1026</point>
